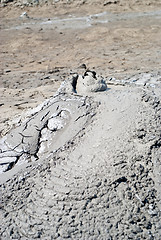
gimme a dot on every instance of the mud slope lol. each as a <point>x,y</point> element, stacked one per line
<point>104,184</point>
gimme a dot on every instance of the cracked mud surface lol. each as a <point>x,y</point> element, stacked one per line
<point>45,129</point>
<point>81,166</point>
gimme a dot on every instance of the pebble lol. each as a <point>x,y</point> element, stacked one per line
<point>7,70</point>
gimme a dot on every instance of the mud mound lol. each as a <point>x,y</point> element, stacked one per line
<point>51,124</point>
<point>84,84</point>
<point>103,183</point>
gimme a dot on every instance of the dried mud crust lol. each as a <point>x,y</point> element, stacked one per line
<point>103,185</point>
<point>43,130</point>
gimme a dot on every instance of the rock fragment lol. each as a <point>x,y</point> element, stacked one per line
<point>24,15</point>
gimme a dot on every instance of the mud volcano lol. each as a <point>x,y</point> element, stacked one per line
<point>85,167</point>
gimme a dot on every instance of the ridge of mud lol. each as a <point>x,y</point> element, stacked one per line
<point>44,130</point>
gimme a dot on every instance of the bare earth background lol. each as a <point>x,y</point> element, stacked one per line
<point>36,57</point>
<point>105,183</point>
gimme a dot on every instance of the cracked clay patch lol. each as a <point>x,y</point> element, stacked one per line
<point>45,129</point>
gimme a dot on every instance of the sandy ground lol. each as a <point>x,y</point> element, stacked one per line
<point>100,178</point>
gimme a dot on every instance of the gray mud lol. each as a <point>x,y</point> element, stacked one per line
<point>104,182</point>
<point>43,131</point>
<point>83,164</point>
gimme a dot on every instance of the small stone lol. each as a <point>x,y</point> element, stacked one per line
<point>24,15</point>
<point>7,70</point>
<point>47,77</point>
<point>110,2</point>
